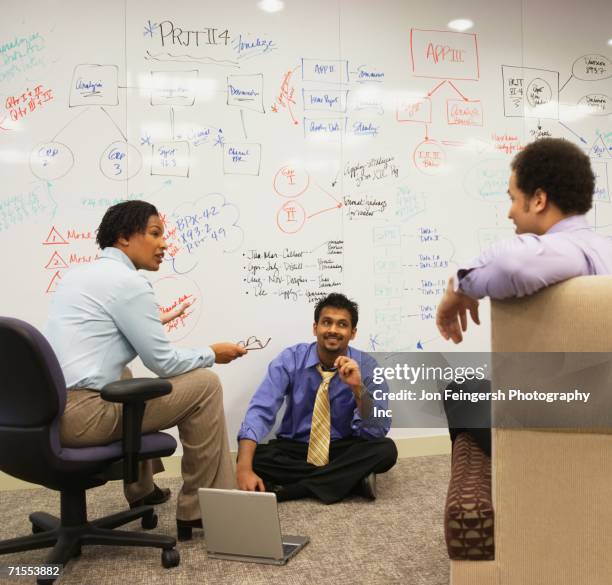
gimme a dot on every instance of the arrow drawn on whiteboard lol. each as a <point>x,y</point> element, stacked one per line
<point>319,246</point>
<point>455,88</point>
<point>421,344</point>
<point>114,123</point>
<point>286,96</point>
<point>165,184</point>
<point>327,193</point>
<point>336,179</point>
<point>576,135</point>
<point>337,206</point>
<point>563,86</point>
<point>243,126</point>
<point>430,93</point>
<point>68,124</point>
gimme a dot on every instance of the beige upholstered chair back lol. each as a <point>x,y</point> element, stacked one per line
<point>552,490</point>
<point>575,315</point>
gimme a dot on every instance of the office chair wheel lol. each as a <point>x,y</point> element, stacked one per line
<point>149,521</point>
<point>36,529</point>
<point>170,558</point>
<point>76,553</point>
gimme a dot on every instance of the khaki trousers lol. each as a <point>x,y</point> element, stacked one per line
<point>195,405</point>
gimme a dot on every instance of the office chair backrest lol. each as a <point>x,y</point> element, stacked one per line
<point>32,386</point>
<point>32,400</point>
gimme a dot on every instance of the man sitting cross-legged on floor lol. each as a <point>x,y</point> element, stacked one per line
<point>329,442</point>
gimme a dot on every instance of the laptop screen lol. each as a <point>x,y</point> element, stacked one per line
<point>241,523</point>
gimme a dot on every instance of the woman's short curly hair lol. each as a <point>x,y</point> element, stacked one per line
<point>123,220</point>
<point>559,168</point>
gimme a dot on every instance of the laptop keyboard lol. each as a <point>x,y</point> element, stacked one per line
<point>289,548</point>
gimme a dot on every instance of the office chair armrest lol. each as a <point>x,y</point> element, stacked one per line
<point>135,390</point>
<point>133,394</point>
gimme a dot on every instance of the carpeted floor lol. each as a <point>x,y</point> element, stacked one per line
<point>398,539</point>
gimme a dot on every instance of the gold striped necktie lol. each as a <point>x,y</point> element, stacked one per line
<point>320,430</point>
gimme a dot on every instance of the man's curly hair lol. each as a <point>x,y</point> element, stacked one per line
<point>559,168</point>
<point>123,220</point>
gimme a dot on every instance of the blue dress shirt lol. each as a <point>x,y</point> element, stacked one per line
<point>102,316</point>
<point>293,376</point>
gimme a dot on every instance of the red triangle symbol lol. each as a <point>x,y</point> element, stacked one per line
<point>53,238</point>
<point>56,261</point>
<point>54,282</point>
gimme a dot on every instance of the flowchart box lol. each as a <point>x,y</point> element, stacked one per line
<point>324,128</point>
<point>444,54</point>
<point>326,70</point>
<point>240,158</point>
<point>414,109</point>
<point>530,93</point>
<point>390,287</point>
<point>246,92</point>
<point>170,159</point>
<point>387,236</point>
<point>173,88</point>
<point>464,113</point>
<point>330,100</point>
<point>94,85</point>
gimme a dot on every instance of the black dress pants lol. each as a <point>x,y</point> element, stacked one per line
<point>282,462</point>
<point>470,417</point>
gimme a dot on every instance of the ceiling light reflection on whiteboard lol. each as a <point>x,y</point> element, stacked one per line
<point>460,24</point>
<point>271,5</point>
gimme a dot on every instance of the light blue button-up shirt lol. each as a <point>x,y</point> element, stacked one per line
<point>102,316</point>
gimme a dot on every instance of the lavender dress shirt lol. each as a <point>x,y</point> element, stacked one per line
<point>522,265</point>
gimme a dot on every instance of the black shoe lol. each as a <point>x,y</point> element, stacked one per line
<point>367,486</point>
<point>156,497</point>
<point>275,488</point>
<point>184,528</point>
<point>286,492</point>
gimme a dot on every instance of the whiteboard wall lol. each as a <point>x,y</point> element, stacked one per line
<point>346,145</point>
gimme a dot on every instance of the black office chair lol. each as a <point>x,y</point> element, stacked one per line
<point>32,401</point>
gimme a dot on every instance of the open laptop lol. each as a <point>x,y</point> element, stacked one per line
<point>244,526</point>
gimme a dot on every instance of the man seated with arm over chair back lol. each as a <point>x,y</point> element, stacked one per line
<point>329,444</point>
<point>551,189</point>
<point>102,316</point>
